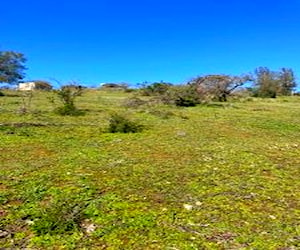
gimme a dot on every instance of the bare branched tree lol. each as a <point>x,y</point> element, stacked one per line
<point>218,87</point>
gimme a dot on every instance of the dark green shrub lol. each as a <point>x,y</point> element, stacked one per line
<point>121,124</point>
<point>185,102</point>
<point>1,93</point>
<point>181,95</point>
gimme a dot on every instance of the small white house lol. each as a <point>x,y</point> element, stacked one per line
<point>26,86</point>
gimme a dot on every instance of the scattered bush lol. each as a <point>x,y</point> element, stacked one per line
<point>164,114</point>
<point>67,94</point>
<point>268,93</point>
<point>134,102</point>
<point>185,102</point>
<point>121,124</point>
<point>181,95</point>
<point>166,93</point>
<point>62,215</point>
<point>1,93</point>
<point>68,109</point>
<point>157,88</point>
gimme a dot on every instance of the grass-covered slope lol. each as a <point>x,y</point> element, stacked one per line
<point>207,177</point>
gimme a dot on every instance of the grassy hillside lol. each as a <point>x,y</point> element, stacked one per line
<point>221,176</point>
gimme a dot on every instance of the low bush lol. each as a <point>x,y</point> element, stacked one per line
<point>121,124</point>
<point>134,102</point>
<point>62,215</point>
<point>164,114</point>
<point>181,95</point>
<point>185,102</point>
<point>70,110</point>
<point>156,88</point>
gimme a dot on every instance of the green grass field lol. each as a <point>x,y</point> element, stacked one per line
<point>220,176</point>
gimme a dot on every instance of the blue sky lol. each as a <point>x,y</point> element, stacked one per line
<point>131,41</point>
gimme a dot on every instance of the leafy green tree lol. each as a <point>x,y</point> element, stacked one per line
<point>11,67</point>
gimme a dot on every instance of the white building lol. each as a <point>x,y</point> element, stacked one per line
<point>26,86</point>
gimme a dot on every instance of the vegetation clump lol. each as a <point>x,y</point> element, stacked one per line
<point>59,217</point>
<point>67,95</point>
<point>120,124</point>
<point>270,84</point>
<point>156,88</point>
<point>181,96</point>
<point>134,102</point>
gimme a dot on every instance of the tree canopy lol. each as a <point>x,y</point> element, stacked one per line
<point>218,87</point>
<point>12,67</point>
<point>270,83</point>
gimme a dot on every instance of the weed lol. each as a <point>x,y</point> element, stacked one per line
<point>61,215</point>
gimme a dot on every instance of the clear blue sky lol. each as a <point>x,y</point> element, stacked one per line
<point>94,41</point>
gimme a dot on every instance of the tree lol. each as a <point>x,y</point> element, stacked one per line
<point>266,83</point>
<point>218,87</point>
<point>272,83</point>
<point>11,67</point>
<point>287,81</point>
